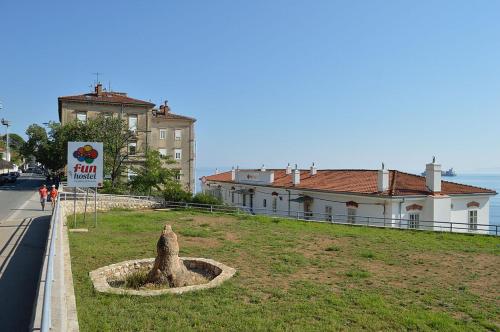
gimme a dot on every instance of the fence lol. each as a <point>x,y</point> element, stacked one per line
<point>352,220</point>
<point>55,224</point>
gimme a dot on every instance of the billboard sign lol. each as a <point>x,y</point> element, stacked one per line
<point>85,164</point>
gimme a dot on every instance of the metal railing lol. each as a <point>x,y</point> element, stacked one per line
<point>49,275</point>
<point>351,220</point>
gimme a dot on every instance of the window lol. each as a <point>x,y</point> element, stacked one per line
<point>264,203</point>
<point>178,154</point>
<point>351,215</point>
<point>472,220</point>
<point>275,204</point>
<point>178,134</point>
<point>163,152</point>
<point>132,122</point>
<point>178,176</point>
<point>163,134</point>
<point>244,200</point>
<point>414,219</point>
<point>232,197</point>
<point>108,115</point>
<point>132,148</point>
<point>81,116</point>
<point>131,174</point>
<point>328,213</point>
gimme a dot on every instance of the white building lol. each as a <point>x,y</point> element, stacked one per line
<point>371,197</point>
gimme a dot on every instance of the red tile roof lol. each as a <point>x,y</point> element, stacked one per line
<point>103,98</point>
<point>107,98</point>
<point>362,182</point>
<point>171,115</point>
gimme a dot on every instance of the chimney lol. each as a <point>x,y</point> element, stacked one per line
<point>314,170</point>
<point>433,176</point>
<point>98,89</point>
<point>288,169</point>
<point>233,174</point>
<point>296,176</point>
<point>216,171</point>
<point>263,168</point>
<point>382,179</point>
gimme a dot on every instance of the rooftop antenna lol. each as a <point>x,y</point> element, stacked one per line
<point>109,86</point>
<point>97,77</point>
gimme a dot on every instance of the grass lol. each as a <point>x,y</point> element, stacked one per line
<point>294,276</point>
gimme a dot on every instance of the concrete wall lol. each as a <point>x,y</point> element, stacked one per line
<point>186,144</point>
<point>108,202</point>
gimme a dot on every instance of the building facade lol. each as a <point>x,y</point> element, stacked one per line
<point>386,198</point>
<point>154,128</point>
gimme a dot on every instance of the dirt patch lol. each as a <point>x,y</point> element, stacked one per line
<point>204,242</point>
<point>233,237</point>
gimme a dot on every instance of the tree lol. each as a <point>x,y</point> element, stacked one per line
<point>50,149</point>
<point>153,175</point>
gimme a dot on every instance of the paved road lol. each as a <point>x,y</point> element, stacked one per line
<point>23,235</point>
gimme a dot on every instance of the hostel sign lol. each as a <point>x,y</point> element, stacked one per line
<point>85,165</point>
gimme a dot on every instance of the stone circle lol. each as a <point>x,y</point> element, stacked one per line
<point>101,278</point>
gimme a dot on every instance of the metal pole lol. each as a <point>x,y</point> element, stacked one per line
<point>74,208</point>
<point>8,147</point>
<point>85,208</point>
<point>95,207</point>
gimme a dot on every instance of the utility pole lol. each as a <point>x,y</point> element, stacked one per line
<point>7,123</point>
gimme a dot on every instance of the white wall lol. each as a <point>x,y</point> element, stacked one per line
<point>434,208</point>
<point>460,211</point>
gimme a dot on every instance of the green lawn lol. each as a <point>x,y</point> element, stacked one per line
<point>294,276</point>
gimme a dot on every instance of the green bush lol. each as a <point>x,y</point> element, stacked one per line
<point>176,194</point>
<point>201,198</point>
<point>119,189</point>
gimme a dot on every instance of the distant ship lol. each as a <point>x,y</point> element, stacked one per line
<point>450,172</point>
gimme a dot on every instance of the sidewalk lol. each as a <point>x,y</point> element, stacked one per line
<point>23,235</point>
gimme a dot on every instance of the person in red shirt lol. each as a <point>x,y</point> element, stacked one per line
<point>53,196</point>
<point>43,196</point>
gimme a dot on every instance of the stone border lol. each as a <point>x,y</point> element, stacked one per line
<point>99,277</point>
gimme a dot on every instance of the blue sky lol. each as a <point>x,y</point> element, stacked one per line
<point>347,84</point>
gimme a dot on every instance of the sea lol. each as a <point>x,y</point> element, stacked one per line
<point>489,181</point>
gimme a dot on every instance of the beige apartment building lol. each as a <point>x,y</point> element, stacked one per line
<point>154,128</point>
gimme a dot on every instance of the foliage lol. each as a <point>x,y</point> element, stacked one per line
<point>202,198</point>
<point>136,279</point>
<point>16,143</point>
<point>119,188</point>
<point>173,192</point>
<point>50,148</point>
<point>153,176</point>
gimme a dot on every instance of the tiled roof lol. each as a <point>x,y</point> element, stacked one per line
<point>106,97</point>
<point>173,116</point>
<point>361,182</point>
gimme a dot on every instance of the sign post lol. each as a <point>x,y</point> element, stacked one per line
<point>85,168</point>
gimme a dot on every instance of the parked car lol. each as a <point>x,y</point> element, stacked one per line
<point>2,180</point>
<point>16,174</point>
<point>9,178</point>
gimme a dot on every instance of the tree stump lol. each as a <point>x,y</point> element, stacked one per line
<point>168,268</point>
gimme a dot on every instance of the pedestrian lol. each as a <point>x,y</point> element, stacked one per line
<point>53,196</point>
<point>43,196</point>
